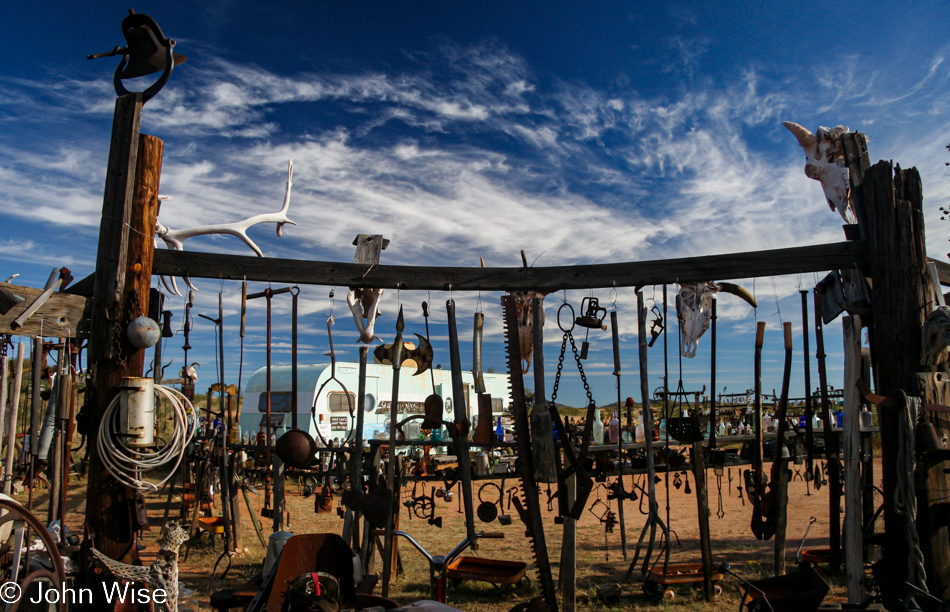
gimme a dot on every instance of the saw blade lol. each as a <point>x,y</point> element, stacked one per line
<point>531,513</point>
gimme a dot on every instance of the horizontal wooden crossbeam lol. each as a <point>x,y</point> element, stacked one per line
<point>775,262</point>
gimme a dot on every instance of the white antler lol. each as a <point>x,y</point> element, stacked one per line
<point>174,239</point>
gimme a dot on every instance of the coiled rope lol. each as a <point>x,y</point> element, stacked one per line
<point>126,463</point>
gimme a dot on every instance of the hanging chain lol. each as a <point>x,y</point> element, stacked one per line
<point>560,366</point>
<point>580,368</point>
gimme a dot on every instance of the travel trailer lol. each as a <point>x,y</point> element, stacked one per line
<point>331,400</point>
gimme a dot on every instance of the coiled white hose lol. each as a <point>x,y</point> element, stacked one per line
<point>126,463</point>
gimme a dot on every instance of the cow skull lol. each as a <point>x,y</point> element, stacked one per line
<point>825,162</point>
<point>524,307</point>
<point>364,304</point>
<point>694,311</point>
<point>174,239</point>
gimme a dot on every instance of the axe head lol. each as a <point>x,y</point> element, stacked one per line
<point>421,355</point>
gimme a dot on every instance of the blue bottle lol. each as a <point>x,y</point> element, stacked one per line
<point>500,431</point>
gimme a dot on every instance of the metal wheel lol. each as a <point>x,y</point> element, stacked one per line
<point>20,527</point>
<point>651,589</point>
<point>669,595</point>
<point>717,591</point>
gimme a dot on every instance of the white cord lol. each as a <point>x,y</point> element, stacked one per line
<point>126,463</point>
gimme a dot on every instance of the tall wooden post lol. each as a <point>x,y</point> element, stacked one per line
<point>123,277</point>
<point>851,435</point>
<point>892,203</point>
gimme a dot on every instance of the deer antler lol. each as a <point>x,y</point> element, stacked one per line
<point>174,239</point>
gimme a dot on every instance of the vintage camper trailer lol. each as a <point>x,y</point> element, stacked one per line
<point>331,400</point>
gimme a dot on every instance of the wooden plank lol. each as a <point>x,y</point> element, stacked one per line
<point>702,506</point>
<point>794,260</point>
<point>60,317</point>
<point>853,554</point>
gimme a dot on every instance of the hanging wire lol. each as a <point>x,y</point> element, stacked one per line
<point>778,309</point>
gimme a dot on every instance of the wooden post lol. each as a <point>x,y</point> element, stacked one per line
<point>932,497</point>
<point>831,445</point>
<point>12,418</point>
<point>892,203</point>
<point>702,507</point>
<point>123,277</point>
<point>4,391</point>
<point>853,555</point>
<point>568,572</point>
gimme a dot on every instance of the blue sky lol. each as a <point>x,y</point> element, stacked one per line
<point>581,132</point>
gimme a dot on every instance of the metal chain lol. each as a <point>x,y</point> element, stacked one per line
<point>580,368</point>
<point>560,366</point>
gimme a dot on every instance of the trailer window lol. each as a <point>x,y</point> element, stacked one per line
<point>497,405</point>
<point>279,402</point>
<point>337,401</point>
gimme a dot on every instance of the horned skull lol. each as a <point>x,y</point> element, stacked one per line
<point>694,311</point>
<point>524,307</point>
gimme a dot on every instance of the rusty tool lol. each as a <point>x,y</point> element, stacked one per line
<point>483,430</point>
<point>422,354</point>
<point>433,402</point>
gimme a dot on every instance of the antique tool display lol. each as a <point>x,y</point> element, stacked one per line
<point>755,478</point>
<point>618,489</point>
<point>584,482</point>
<point>433,401</point>
<point>529,509</point>
<point>593,318</point>
<point>396,357</point>
<point>460,431</point>
<point>483,429</point>
<point>776,500</point>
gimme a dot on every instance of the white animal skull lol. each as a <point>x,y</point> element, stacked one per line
<point>825,162</point>
<point>364,304</point>
<point>694,311</point>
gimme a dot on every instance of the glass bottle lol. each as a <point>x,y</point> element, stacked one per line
<point>598,429</point>
<point>614,428</point>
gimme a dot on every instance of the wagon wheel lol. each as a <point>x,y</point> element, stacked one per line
<point>669,595</point>
<point>15,562</point>
<point>651,589</point>
<point>717,591</point>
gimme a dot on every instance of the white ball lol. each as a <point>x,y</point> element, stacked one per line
<point>143,332</point>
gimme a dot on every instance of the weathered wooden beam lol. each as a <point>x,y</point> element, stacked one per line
<point>775,262</point>
<point>60,315</point>
<point>853,540</point>
<point>123,276</point>
<point>893,205</point>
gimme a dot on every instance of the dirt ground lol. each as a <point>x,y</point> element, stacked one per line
<point>599,556</point>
